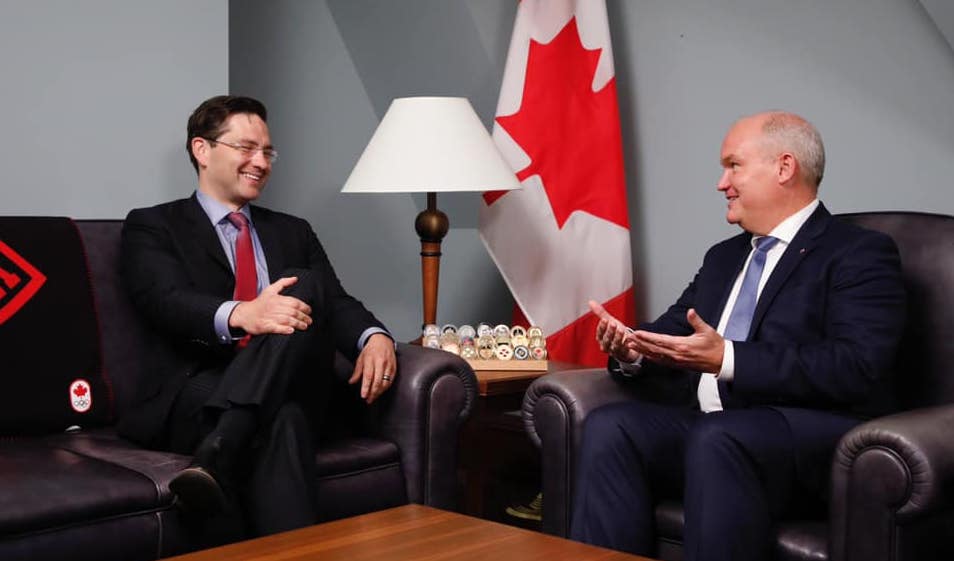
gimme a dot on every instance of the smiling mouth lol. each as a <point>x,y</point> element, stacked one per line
<point>252,176</point>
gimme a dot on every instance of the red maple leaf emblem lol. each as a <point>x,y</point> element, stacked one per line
<point>570,132</point>
<point>80,391</point>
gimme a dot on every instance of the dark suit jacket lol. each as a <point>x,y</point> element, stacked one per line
<point>822,342</point>
<point>177,275</point>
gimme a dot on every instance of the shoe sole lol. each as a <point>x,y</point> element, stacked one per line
<point>198,491</point>
<point>524,515</point>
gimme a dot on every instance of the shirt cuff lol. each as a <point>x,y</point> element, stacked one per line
<point>221,322</point>
<point>367,333</point>
<point>727,372</point>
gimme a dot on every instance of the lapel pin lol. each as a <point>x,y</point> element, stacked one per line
<point>802,250</point>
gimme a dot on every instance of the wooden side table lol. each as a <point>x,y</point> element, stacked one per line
<point>494,442</point>
<point>504,382</point>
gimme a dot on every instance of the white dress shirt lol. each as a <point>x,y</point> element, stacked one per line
<point>708,390</point>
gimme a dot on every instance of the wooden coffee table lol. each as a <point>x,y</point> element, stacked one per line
<point>410,532</point>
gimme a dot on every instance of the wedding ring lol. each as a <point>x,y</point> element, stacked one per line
<point>386,377</point>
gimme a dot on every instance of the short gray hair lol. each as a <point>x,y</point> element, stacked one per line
<point>791,133</point>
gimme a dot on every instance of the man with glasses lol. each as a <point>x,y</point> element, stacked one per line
<point>252,312</point>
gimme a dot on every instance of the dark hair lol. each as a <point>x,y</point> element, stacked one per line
<point>208,119</point>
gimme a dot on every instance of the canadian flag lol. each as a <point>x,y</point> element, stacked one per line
<point>564,238</point>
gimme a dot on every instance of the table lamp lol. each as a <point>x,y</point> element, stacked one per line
<point>430,145</point>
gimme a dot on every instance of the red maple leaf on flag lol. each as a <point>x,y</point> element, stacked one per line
<point>570,132</point>
<point>80,390</point>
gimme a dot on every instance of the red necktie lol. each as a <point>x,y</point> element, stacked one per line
<point>246,279</point>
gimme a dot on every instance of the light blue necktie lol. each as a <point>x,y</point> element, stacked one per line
<point>737,328</point>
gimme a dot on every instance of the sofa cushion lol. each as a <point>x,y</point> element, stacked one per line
<point>803,540</point>
<point>49,334</point>
<point>61,480</point>
<point>355,455</point>
<point>358,475</point>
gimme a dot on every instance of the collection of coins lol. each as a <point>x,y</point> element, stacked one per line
<point>488,343</point>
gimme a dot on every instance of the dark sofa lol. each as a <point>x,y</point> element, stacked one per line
<point>892,479</point>
<point>88,494</point>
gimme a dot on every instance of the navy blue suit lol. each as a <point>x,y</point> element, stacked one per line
<point>816,362</point>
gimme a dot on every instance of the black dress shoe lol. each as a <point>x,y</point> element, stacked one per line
<point>198,491</point>
<point>200,488</point>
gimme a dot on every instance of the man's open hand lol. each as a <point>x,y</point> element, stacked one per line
<point>701,351</point>
<point>272,312</point>
<point>613,337</point>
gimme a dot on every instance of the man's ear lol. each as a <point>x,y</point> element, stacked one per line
<point>787,168</point>
<point>200,149</point>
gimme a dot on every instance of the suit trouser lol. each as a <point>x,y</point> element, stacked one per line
<point>734,470</point>
<point>280,378</point>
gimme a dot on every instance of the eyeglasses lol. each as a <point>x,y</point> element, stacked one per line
<point>248,149</point>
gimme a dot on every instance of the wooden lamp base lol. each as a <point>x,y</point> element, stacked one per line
<point>431,225</point>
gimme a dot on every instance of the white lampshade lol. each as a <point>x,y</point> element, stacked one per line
<point>430,144</point>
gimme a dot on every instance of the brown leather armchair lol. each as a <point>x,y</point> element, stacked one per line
<point>892,478</point>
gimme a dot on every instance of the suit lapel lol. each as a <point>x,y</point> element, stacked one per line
<point>202,233</point>
<point>804,242</point>
<point>710,309</point>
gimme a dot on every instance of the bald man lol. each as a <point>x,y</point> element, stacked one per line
<point>781,343</point>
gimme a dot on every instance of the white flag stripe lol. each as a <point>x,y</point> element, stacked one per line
<point>552,272</point>
<point>512,152</point>
<point>545,22</point>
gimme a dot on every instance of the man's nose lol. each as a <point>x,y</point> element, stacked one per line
<point>723,183</point>
<point>259,159</point>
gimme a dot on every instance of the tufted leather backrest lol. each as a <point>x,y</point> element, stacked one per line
<point>925,371</point>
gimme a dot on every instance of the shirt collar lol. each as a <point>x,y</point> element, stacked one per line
<point>786,230</point>
<point>216,211</point>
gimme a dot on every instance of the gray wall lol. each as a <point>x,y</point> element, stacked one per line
<point>876,77</point>
<point>95,97</point>
<point>327,71</point>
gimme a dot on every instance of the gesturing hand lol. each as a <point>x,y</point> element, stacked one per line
<point>701,351</point>
<point>613,337</point>
<point>376,367</point>
<point>272,312</point>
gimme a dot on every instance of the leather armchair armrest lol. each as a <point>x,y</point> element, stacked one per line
<point>554,409</point>
<point>892,471</point>
<point>434,392</point>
